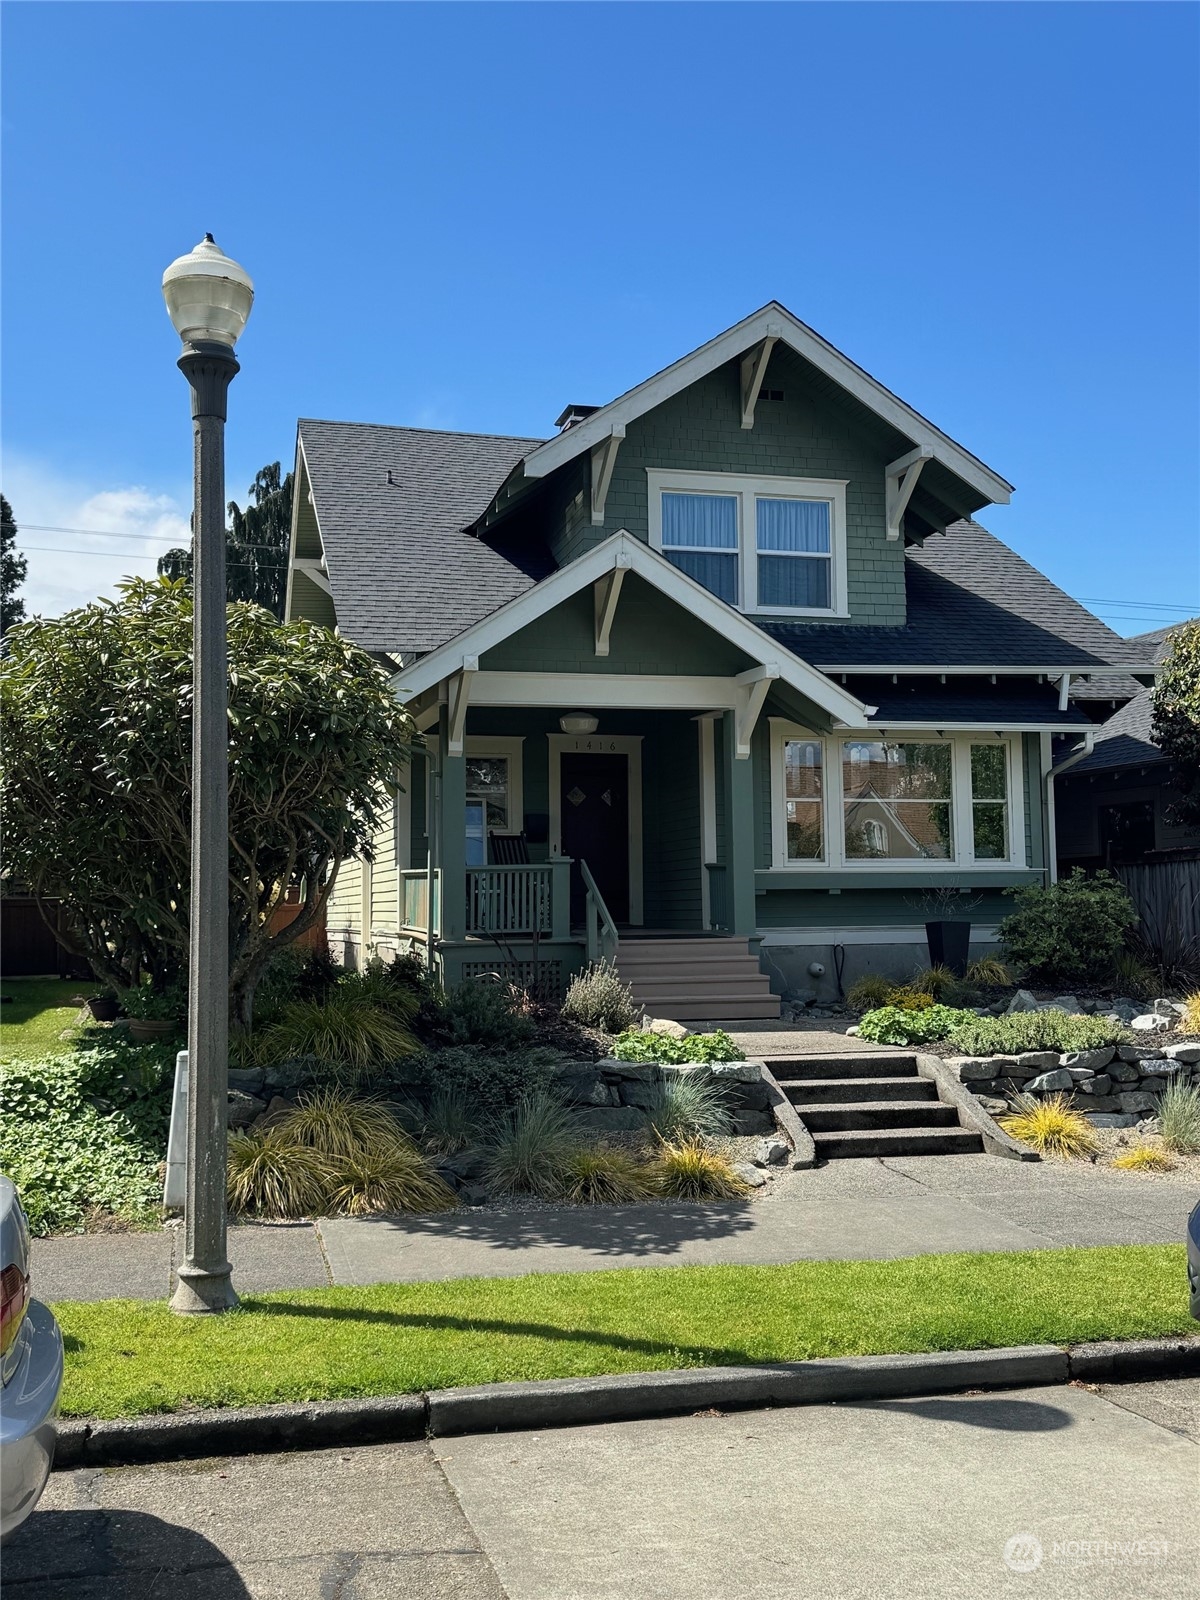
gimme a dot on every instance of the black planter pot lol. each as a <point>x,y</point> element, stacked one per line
<point>949,945</point>
<point>103,1008</point>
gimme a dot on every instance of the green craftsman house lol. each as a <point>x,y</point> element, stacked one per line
<point>723,680</point>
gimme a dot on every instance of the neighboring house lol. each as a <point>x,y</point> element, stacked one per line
<point>728,656</point>
<point>1114,807</point>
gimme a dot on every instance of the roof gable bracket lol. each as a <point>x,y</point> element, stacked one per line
<point>460,698</point>
<point>752,690</point>
<point>902,478</point>
<point>607,592</point>
<point>754,370</point>
<point>314,570</point>
<point>604,459</point>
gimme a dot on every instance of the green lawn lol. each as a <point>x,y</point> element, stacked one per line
<point>39,1011</point>
<point>126,1358</point>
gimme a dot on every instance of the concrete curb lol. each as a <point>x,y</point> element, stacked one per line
<point>970,1113</point>
<point>566,1402</point>
<point>804,1151</point>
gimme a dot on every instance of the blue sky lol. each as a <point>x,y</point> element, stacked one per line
<point>465,216</point>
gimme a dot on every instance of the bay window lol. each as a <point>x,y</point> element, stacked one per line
<point>763,544</point>
<point>895,803</point>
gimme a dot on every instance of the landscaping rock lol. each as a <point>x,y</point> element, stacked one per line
<point>610,1067</point>
<point>249,1080</point>
<point>243,1109</point>
<point>1167,1008</point>
<point>1123,1071</point>
<point>745,1122</point>
<point>1023,1000</point>
<point>634,1093</point>
<point>665,1026</point>
<point>613,1119</point>
<point>749,1174</point>
<point>1094,1060</point>
<point>969,1069</point>
<point>992,1104</point>
<point>1138,1052</point>
<point>465,1165</point>
<point>1153,1086</point>
<point>1079,1075</point>
<point>738,1071</point>
<point>278,1107</point>
<point>1138,1102</point>
<point>1097,1102</point>
<point>1049,1082</point>
<point>1063,1002</point>
<point>1189,1053</point>
<point>853,1031</point>
<point>1100,1084</point>
<point>1038,1060</point>
<point>1002,1065</point>
<point>1110,1119</point>
<point>474,1194</point>
<point>1151,1022</point>
<point>582,1086</point>
<point>771,1153</point>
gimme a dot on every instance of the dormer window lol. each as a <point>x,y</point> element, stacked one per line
<point>773,545</point>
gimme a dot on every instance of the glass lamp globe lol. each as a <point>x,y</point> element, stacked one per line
<point>208,296</point>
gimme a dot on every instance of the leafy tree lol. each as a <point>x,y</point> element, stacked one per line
<point>256,544</point>
<point>1176,701</point>
<point>95,716</point>
<point>12,570</point>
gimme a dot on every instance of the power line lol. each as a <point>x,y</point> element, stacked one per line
<point>142,555</point>
<point>104,533</point>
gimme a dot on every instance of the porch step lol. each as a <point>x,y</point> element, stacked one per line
<point>871,1103</point>
<point>697,980</point>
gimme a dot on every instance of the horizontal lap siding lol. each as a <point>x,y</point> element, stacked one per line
<point>385,912</point>
<point>866,908</point>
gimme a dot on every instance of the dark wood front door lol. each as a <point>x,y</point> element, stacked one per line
<point>595,828</point>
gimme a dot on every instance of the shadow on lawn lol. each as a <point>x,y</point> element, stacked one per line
<point>635,1230</point>
<point>525,1330</point>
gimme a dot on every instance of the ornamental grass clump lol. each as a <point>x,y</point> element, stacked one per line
<point>689,1170</point>
<point>450,1124</point>
<point>346,1033</point>
<point>989,972</point>
<point>1179,1118</point>
<point>687,1105</point>
<point>270,1175</point>
<point>1190,1021</point>
<point>340,1126</point>
<point>389,1177</point>
<point>1050,1126</point>
<point>1144,1158</point>
<point>530,1148</point>
<point>598,1175</point>
<point>596,998</point>
<point>869,992</point>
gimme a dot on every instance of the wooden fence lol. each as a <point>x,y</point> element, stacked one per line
<point>1167,894</point>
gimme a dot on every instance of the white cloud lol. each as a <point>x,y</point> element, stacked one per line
<point>128,526</point>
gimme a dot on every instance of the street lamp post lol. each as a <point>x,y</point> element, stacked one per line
<point>209,298</point>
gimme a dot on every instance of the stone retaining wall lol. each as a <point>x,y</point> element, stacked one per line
<point>1119,1081</point>
<point>612,1096</point>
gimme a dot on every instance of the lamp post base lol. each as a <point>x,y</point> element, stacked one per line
<point>198,1291</point>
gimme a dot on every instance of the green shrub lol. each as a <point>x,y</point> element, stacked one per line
<point>155,1005</point>
<point>482,1012</point>
<point>637,1044</point>
<point>870,992</point>
<point>319,973</point>
<point>686,1105</point>
<point>596,998</point>
<point>1133,976</point>
<point>894,1025</point>
<point>86,1132</point>
<point>450,1124</point>
<point>376,986</point>
<point>347,1034</point>
<point>1179,1118</point>
<point>597,1175</point>
<point>689,1170</point>
<point>910,998</point>
<point>270,1175</point>
<point>1033,1030</point>
<point>1071,931</point>
<point>490,1080</point>
<point>529,1149</point>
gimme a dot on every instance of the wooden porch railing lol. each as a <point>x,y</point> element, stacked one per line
<point>600,929</point>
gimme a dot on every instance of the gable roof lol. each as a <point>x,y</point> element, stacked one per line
<point>972,602</point>
<point>1126,739</point>
<point>773,321</point>
<point>404,573</point>
<point>1118,686</point>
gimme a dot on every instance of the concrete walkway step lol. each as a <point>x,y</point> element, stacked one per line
<point>848,1066</point>
<point>837,1091</point>
<point>866,1114</point>
<point>897,1142</point>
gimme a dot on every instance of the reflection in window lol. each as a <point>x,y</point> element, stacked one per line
<point>803,800</point>
<point>487,804</point>
<point>989,802</point>
<point>897,801</point>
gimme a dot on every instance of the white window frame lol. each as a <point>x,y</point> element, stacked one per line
<point>835,858</point>
<point>746,490</point>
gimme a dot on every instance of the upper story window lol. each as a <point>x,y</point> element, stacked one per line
<point>763,544</point>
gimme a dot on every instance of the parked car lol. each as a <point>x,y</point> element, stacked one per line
<point>1193,1247</point>
<point>31,1367</point>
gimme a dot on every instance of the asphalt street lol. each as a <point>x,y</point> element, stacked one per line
<point>1069,1491</point>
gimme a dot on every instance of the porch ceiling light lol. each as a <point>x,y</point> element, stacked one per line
<point>579,722</point>
<point>208,296</point>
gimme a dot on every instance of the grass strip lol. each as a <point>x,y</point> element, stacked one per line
<point>35,1015</point>
<point>128,1358</point>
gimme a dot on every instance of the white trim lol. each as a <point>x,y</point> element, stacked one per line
<point>987,670</point>
<point>314,570</point>
<point>606,592</point>
<point>752,372</point>
<point>724,620</point>
<point>746,489</point>
<point>900,479</point>
<point>708,811</point>
<point>628,745</point>
<point>511,749</point>
<point>835,859</point>
<point>460,699</point>
<point>366,910</point>
<point>909,933</point>
<point>603,460</point>
<point>772,320</point>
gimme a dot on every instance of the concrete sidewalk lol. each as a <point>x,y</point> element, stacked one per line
<point>852,1210</point>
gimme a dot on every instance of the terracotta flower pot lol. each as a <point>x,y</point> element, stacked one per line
<point>142,1030</point>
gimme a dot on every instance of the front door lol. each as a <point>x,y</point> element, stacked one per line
<point>595,828</point>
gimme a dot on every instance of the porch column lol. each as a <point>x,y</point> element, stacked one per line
<point>452,834</point>
<point>737,781</point>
